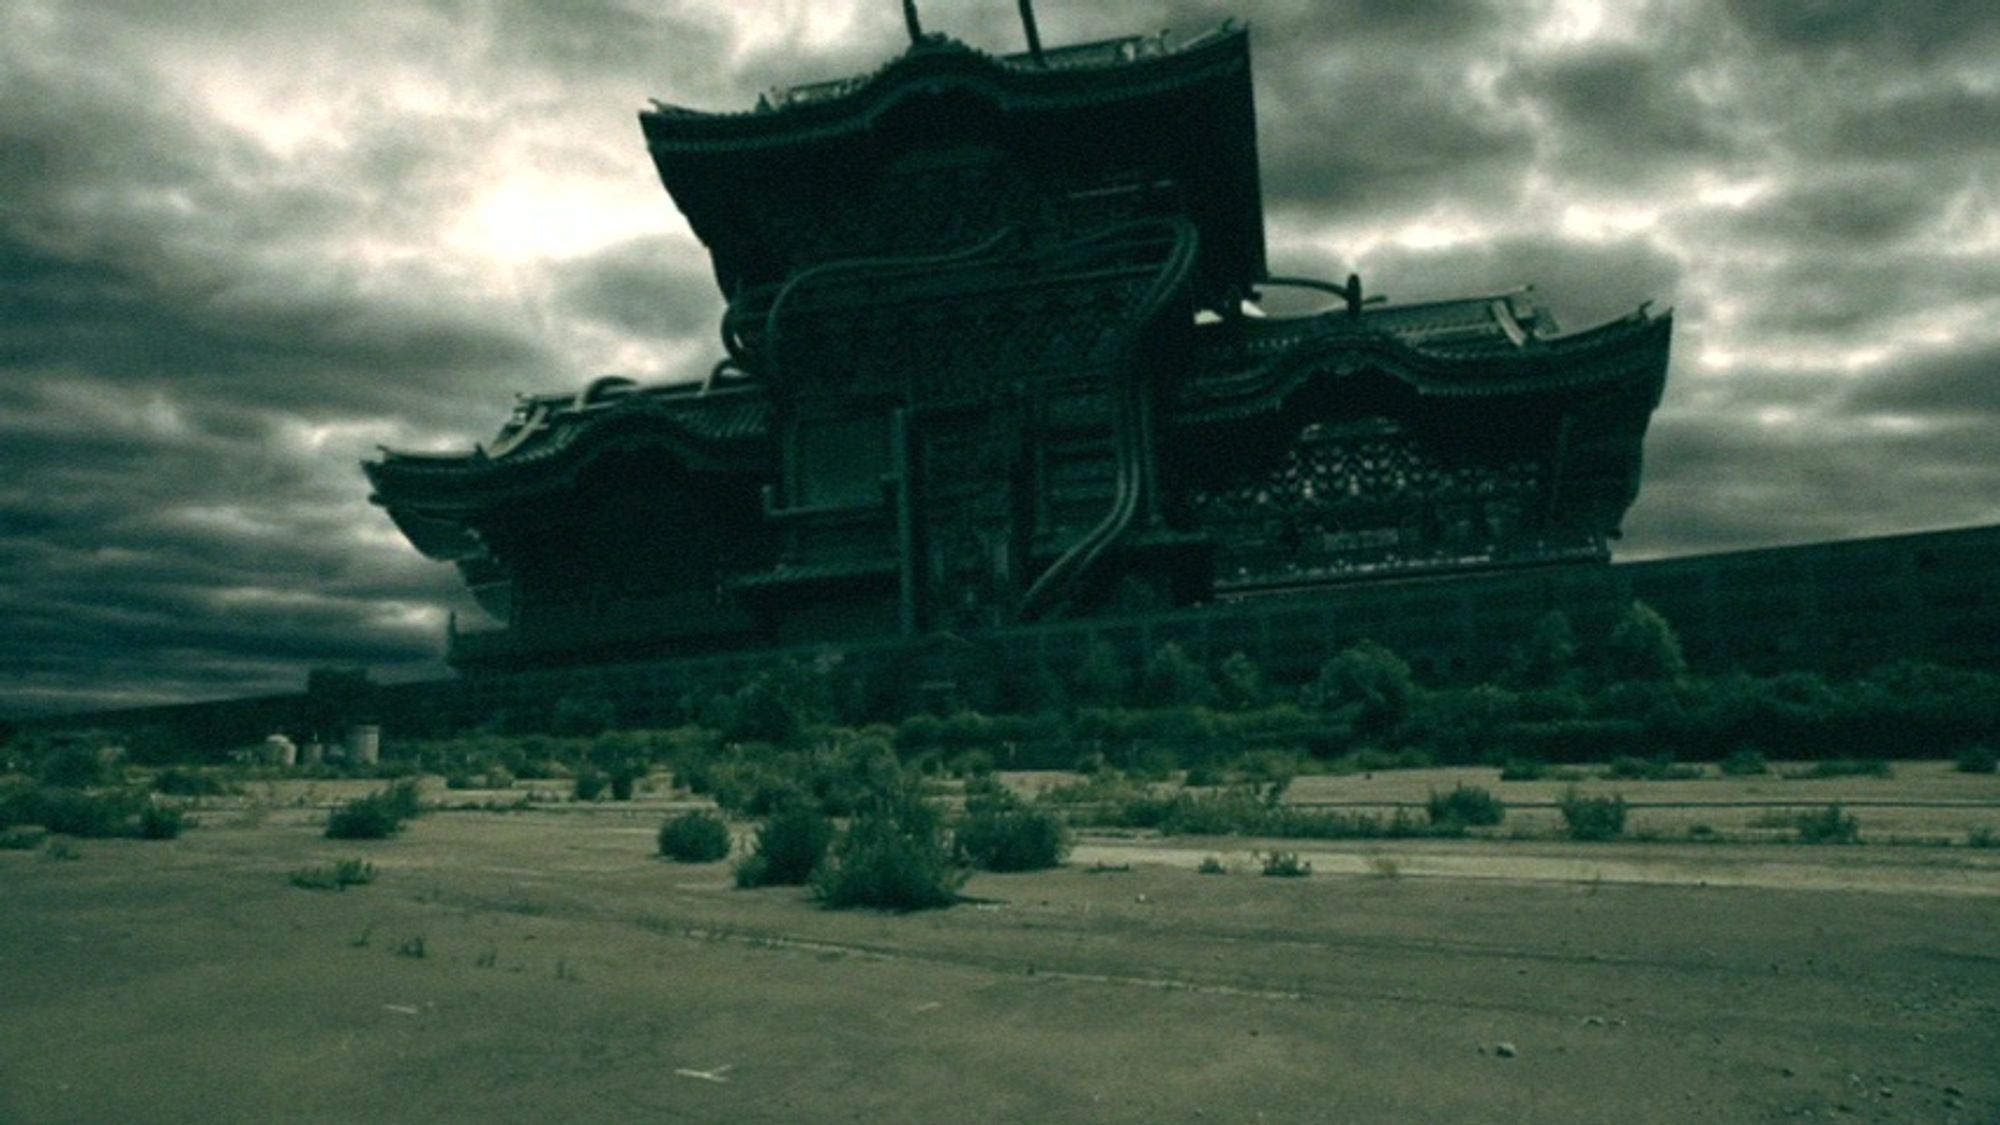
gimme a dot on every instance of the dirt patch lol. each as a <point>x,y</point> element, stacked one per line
<point>545,967</point>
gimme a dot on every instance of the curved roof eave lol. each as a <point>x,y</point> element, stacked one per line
<point>1630,349</point>
<point>933,69</point>
<point>445,488</point>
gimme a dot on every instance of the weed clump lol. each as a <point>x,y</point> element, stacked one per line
<point>895,855</point>
<point>161,822</point>
<point>377,816</point>
<point>1977,759</point>
<point>334,876</point>
<point>1286,865</point>
<point>1467,805</point>
<point>1849,767</point>
<point>1592,818</point>
<point>22,838</point>
<point>1014,839</point>
<point>1830,825</point>
<point>1212,865</point>
<point>789,848</point>
<point>177,782</point>
<point>1745,763</point>
<point>695,837</point>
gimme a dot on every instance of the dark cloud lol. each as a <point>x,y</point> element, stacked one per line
<point>243,242</point>
<point>1907,31</point>
<point>647,286</point>
<point>1962,385</point>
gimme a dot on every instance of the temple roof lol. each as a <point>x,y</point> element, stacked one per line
<point>1184,110</point>
<point>1471,348</point>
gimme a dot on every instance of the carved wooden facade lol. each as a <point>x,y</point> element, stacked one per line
<point>988,363</point>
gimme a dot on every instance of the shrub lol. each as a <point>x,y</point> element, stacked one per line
<point>22,837</point>
<point>1524,769</point>
<point>1014,839</point>
<point>377,816</point>
<point>1745,763</point>
<point>695,837</point>
<point>75,813</point>
<point>622,783</point>
<point>77,767</point>
<point>590,784</point>
<point>1642,647</point>
<point>1173,679</point>
<point>894,856</point>
<point>189,783</point>
<point>1212,865</point>
<point>1659,768</point>
<point>1368,681</point>
<point>1977,759</point>
<point>1286,865</point>
<point>161,822</point>
<point>1239,683</point>
<point>1592,818</point>
<point>789,848</point>
<point>1830,825</point>
<point>334,876</point>
<point>1849,767</point>
<point>1467,805</point>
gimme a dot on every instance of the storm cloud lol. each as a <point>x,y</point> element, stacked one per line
<point>243,244</point>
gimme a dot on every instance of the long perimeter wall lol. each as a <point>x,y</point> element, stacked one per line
<point>1835,607</point>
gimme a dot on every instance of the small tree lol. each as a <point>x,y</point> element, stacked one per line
<point>896,855</point>
<point>695,837</point>
<point>789,848</point>
<point>1172,679</point>
<point>582,716</point>
<point>1369,681</point>
<point>1547,658</point>
<point>1100,677</point>
<point>1239,683</point>
<point>1643,647</point>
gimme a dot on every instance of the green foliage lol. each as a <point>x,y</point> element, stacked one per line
<point>1369,682</point>
<point>1212,865</point>
<point>337,876</point>
<point>895,855</point>
<point>179,782</point>
<point>1977,759</point>
<point>1660,767</point>
<point>1239,683</point>
<point>1100,677</point>
<point>1467,805</point>
<point>78,765</point>
<point>1247,812</point>
<point>1002,838</point>
<point>789,848</point>
<point>1524,769</point>
<point>695,837</point>
<point>590,783</point>
<point>22,837</point>
<point>581,716</point>
<point>1547,658</point>
<point>1745,763</point>
<point>377,816</point>
<point>1643,646</point>
<point>780,704</point>
<point>1286,865</point>
<point>1592,818</point>
<point>1847,767</point>
<point>1830,825</point>
<point>161,822</point>
<point>1173,679</point>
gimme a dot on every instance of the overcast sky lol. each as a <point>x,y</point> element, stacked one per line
<point>243,242</point>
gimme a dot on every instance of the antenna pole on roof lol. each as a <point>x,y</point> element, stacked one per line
<point>1034,34</point>
<point>910,20</point>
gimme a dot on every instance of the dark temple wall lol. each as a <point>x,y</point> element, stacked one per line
<point>1833,607</point>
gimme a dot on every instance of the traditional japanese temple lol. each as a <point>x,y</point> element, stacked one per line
<point>993,355</point>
